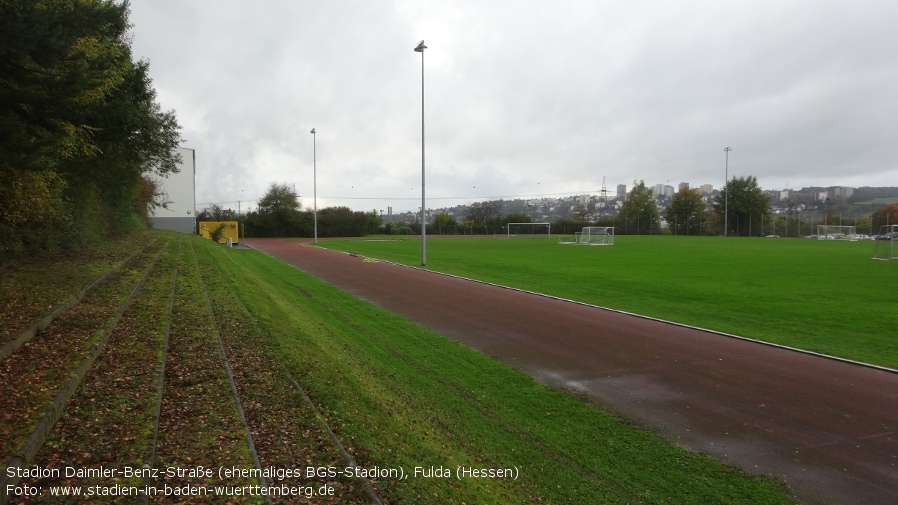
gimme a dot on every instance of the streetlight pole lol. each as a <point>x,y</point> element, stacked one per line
<point>420,49</point>
<point>314,185</point>
<point>726,200</point>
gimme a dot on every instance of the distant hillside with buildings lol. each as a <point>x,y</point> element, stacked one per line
<point>854,202</point>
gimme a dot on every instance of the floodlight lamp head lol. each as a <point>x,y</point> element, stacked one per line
<point>421,47</point>
<point>313,131</point>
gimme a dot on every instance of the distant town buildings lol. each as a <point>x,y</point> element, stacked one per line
<point>622,191</point>
<point>663,191</point>
<point>595,207</point>
<point>837,193</point>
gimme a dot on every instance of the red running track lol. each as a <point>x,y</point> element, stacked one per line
<point>829,429</point>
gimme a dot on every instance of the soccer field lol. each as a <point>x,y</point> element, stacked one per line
<point>822,296</point>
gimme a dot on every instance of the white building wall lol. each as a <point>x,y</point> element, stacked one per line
<point>180,191</point>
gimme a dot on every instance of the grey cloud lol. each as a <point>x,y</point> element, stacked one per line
<point>537,99</point>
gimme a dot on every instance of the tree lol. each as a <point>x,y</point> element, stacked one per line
<point>686,212</point>
<point>344,222</point>
<point>78,121</point>
<point>56,57</point>
<point>481,213</point>
<point>70,92</point>
<point>516,217</point>
<point>745,206</point>
<point>279,211</point>
<point>865,225</point>
<point>443,219</point>
<point>780,225</point>
<point>216,212</point>
<point>580,211</point>
<point>443,223</point>
<point>884,216</point>
<point>639,213</point>
<point>568,225</point>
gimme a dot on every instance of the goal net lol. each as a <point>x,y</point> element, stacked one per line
<point>537,229</point>
<point>591,235</point>
<point>884,243</point>
<point>827,232</point>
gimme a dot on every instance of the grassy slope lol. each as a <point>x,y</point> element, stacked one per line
<point>399,395</point>
<point>822,296</point>
<point>71,271</point>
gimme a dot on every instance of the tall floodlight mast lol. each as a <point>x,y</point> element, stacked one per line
<point>314,185</point>
<point>726,200</point>
<point>420,49</point>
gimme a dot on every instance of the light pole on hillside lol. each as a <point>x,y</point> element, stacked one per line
<point>420,49</point>
<point>726,200</point>
<point>314,186</point>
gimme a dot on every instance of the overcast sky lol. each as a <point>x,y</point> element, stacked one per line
<point>523,99</point>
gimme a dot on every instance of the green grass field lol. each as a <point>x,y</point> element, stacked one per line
<point>822,296</point>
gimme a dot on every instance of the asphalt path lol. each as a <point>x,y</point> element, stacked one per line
<point>827,428</point>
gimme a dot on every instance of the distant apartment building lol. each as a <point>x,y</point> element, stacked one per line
<point>682,186</point>
<point>835,193</point>
<point>663,191</point>
<point>843,193</point>
<point>707,188</point>
<point>622,191</point>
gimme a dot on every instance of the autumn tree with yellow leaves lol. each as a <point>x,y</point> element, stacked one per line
<point>79,125</point>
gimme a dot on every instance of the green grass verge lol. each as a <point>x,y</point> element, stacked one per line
<point>399,395</point>
<point>822,296</point>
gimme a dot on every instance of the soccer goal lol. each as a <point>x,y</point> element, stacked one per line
<point>591,235</point>
<point>828,232</point>
<point>535,229</point>
<point>884,243</point>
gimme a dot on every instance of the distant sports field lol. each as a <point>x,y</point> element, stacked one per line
<point>823,296</point>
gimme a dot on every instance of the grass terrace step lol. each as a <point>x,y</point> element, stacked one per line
<point>109,422</point>
<point>199,424</point>
<point>31,376</point>
<point>29,289</point>
<point>285,429</point>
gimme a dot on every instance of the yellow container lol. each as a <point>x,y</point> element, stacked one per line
<point>229,231</point>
